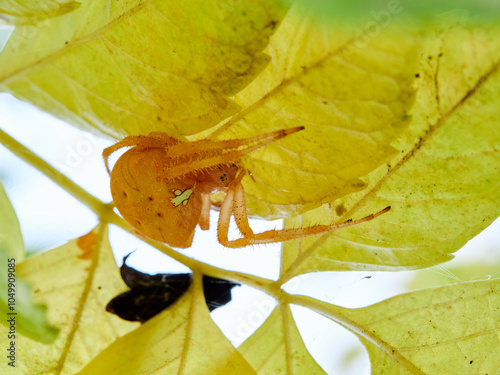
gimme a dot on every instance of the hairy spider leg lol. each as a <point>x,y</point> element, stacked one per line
<point>204,222</point>
<point>153,140</point>
<point>214,153</point>
<point>206,205</point>
<point>208,147</point>
<point>234,204</point>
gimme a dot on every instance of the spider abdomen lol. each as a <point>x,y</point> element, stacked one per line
<point>162,187</point>
<point>161,209</point>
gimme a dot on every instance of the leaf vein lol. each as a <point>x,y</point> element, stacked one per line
<point>416,148</point>
<point>452,341</point>
<point>83,299</point>
<point>90,92</point>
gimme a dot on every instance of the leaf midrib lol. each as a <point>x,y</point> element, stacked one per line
<point>281,86</point>
<point>89,37</point>
<point>83,299</point>
<point>408,155</point>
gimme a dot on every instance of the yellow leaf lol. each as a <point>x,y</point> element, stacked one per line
<point>11,239</point>
<point>402,118</point>
<point>444,185</point>
<point>486,268</point>
<point>277,348</point>
<point>18,312</point>
<point>76,281</point>
<point>131,67</point>
<point>32,11</point>
<point>352,101</point>
<point>182,339</point>
<point>447,330</point>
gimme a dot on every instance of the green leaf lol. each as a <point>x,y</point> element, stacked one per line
<point>277,348</point>
<point>131,67</point>
<point>443,186</point>
<point>32,11</point>
<point>181,339</point>
<point>382,12</point>
<point>27,316</point>
<point>11,239</point>
<point>16,296</point>
<point>76,281</point>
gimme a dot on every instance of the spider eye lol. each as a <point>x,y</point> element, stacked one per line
<point>235,166</point>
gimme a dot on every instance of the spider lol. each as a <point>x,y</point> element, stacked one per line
<point>162,187</point>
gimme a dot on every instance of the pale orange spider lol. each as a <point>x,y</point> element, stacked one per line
<point>162,187</point>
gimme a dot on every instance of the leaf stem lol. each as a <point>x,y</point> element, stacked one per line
<point>53,174</point>
<point>340,315</point>
<point>273,288</point>
<point>105,213</point>
<point>206,269</point>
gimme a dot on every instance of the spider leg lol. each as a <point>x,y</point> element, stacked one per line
<point>226,210</point>
<point>153,140</point>
<point>205,212</point>
<point>194,156</point>
<point>207,146</point>
<point>235,204</point>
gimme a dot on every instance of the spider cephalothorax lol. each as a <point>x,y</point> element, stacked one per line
<point>162,187</point>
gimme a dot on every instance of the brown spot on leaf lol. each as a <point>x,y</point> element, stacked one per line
<point>340,209</point>
<point>87,244</point>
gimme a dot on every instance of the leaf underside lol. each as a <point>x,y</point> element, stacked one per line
<point>438,330</point>
<point>407,117</point>
<point>75,281</point>
<point>33,11</point>
<point>78,66</point>
<point>277,345</point>
<point>16,295</point>
<point>182,339</point>
<point>443,186</point>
